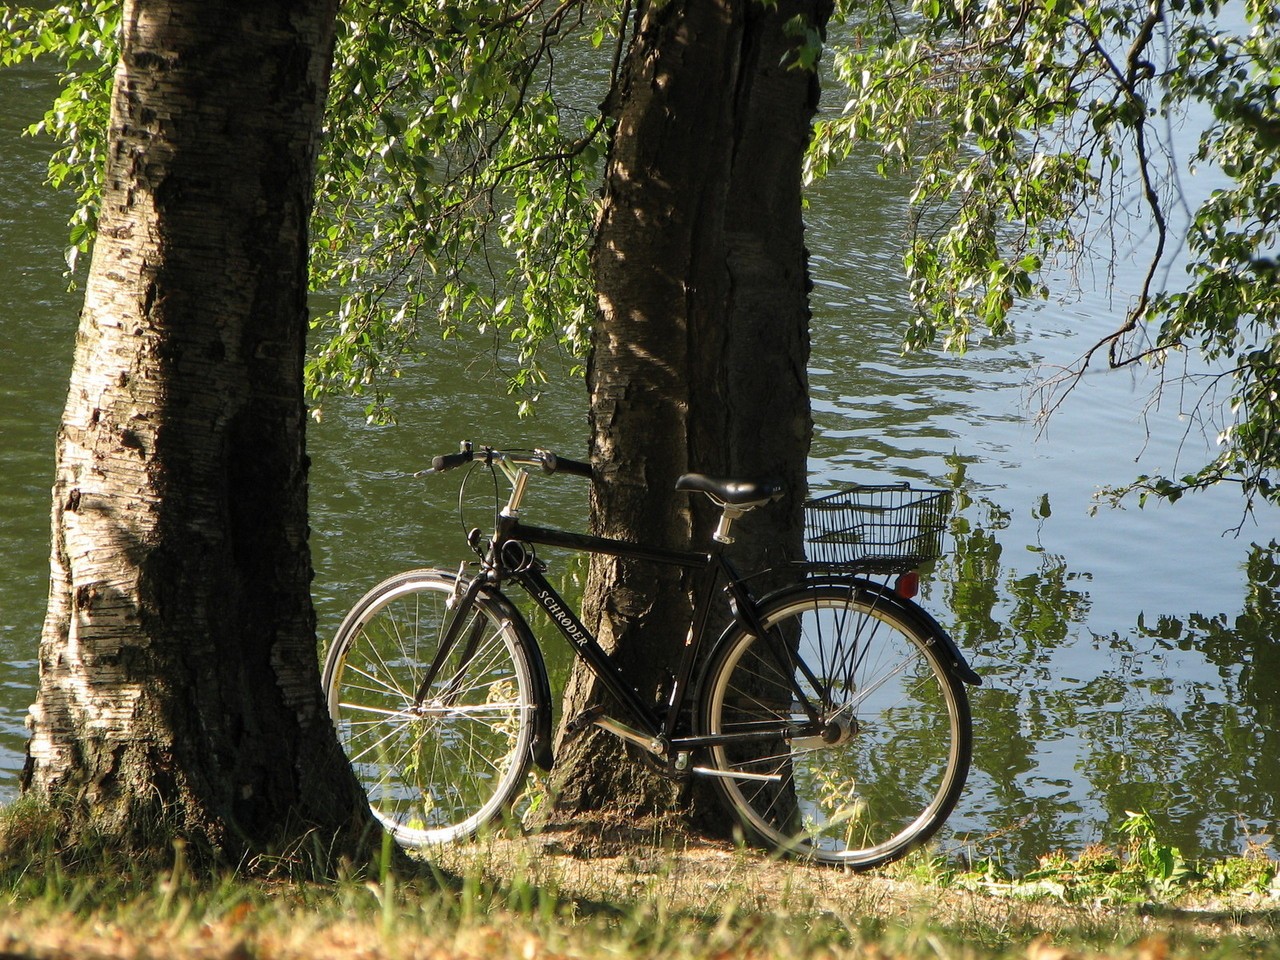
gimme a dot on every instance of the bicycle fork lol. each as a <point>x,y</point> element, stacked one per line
<point>461,604</point>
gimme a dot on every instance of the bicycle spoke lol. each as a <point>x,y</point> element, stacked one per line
<point>379,685</point>
<point>885,768</point>
<point>439,769</point>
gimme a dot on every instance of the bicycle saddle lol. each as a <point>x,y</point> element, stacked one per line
<point>739,493</point>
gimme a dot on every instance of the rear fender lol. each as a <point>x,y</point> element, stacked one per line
<point>883,596</point>
<point>925,623</point>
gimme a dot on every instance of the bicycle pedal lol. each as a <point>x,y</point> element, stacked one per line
<point>585,719</point>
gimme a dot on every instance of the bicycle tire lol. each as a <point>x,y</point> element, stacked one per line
<point>894,754</point>
<point>440,771</point>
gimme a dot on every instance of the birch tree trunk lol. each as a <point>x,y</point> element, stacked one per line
<point>700,349</point>
<point>179,691</point>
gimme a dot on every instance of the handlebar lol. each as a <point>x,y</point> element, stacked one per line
<point>548,461</point>
<point>448,461</point>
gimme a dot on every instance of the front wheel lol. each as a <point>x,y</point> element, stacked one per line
<point>885,763</point>
<point>438,764</point>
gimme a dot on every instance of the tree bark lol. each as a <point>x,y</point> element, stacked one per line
<point>699,354</point>
<point>179,692</point>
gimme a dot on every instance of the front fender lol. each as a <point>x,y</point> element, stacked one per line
<point>543,734</point>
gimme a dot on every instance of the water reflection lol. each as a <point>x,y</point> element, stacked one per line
<point>1176,716</point>
<point>1202,755</point>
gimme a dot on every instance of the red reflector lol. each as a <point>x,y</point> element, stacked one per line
<point>907,585</point>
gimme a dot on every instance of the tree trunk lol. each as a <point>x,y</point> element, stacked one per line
<point>699,354</point>
<point>179,693</point>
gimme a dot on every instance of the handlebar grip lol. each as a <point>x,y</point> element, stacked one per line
<point>559,464</point>
<point>448,461</point>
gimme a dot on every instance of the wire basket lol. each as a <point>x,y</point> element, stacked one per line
<point>887,528</point>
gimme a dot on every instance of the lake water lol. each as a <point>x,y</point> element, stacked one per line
<point>1130,658</point>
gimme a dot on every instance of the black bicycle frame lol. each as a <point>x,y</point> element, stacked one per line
<point>585,644</point>
<point>660,731</point>
<point>713,564</point>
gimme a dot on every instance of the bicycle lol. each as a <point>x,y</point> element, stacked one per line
<point>831,714</point>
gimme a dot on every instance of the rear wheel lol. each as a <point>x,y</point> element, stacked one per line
<point>881,771</point>
<point>439,769</point>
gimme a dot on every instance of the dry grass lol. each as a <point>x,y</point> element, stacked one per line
<point>645,867</point>
<point>609,891</point>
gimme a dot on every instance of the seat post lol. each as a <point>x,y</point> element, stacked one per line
<point>733,497</point>
<point>728,514</point>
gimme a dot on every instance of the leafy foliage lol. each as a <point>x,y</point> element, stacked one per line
<point>82,36</point>
<point>465,141</point>
<point>464,144</point>
<point>1028,127</point>
<point>457,186</point>
<point>1142,869</point>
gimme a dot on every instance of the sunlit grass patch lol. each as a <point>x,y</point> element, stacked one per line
<point>645,893</point>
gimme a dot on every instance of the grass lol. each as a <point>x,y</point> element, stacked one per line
<point>635,892</point>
